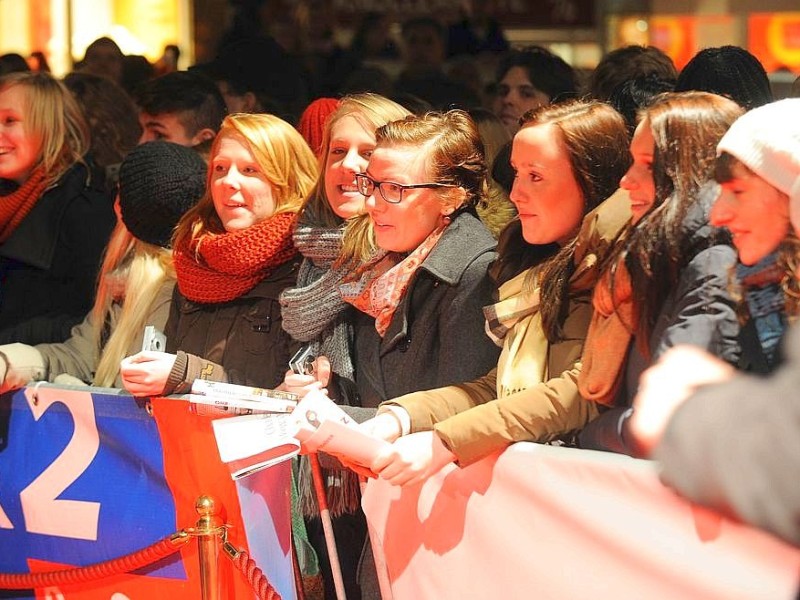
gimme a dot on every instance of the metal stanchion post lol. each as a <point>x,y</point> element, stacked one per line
<point>208,531</point>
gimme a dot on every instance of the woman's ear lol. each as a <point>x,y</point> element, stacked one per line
<point>455,198</point>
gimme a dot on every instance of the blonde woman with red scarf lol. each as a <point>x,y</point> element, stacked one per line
<point>233,256</point>
<point>55,217</point>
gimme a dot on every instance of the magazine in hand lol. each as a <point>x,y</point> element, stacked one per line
<point>253,442</point>
<point>323,426</point>
<point>214,398</point>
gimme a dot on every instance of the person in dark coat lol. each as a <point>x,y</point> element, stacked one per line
<point>55,217</point>
<point>233,255</point>
<point>668,283</point>
<point>690,405</point>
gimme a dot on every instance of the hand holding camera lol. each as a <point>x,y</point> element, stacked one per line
<point>307,372</point>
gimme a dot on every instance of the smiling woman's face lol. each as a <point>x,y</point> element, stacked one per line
<point>349,150</point>
<point>19,148</point>
<point>241,192</point>
<point>755,213</point>
<point>639,179</point>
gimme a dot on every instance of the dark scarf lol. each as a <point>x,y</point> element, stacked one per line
<point>766,303</point>
<point>222,267</point>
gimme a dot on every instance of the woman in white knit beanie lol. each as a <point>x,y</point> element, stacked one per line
<point>759,167</point>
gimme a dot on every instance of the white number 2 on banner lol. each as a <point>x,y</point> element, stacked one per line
<point>43,512</point>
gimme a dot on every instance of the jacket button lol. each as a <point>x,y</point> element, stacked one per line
<point>404,344</point>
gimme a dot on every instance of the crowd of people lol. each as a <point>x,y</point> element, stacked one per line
<point>609,266</point>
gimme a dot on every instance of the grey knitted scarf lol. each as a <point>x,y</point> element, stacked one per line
<point>312,311</point>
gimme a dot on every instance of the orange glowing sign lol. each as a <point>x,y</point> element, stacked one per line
<point>775,39</point>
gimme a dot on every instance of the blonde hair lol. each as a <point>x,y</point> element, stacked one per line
<point>140,269</point>
<point>371,111</point>
<point>54,117</point>
<point>281,153</point>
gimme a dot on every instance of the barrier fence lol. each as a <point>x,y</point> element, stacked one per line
<point>88,476</point>
<point>547,522</point>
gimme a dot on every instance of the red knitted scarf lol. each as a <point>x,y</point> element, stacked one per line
<point>222,267</point>
<point>15,206</point>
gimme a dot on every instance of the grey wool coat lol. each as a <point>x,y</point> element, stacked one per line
<point>436,336</point>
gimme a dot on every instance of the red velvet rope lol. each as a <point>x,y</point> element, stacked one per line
<point>255,577</point>
<point>124,564</point>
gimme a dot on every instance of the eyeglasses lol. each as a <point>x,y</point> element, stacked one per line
<point>392,192</point>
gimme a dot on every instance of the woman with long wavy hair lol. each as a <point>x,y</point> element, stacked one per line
<point>668,283</point>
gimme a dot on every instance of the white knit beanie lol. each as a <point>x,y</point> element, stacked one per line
<point>767,141</point>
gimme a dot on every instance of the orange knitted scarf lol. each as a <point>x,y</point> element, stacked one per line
<point>221,267</point>
<point>15,206</point>
<point>610,332</point>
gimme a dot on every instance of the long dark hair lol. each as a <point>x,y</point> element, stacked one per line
<point>686,128</point>
<point>596,141</point>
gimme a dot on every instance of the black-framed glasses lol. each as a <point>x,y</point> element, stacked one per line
<point>391,191</point>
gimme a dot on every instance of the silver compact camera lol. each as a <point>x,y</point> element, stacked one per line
<point>153,340</point>
<point>302,363</point>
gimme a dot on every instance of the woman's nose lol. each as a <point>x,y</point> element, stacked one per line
<point>628,181</point>
<point>231,178</point>
<point>354,162</point>
<point>721,212</point>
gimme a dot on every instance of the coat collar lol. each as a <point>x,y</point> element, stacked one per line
<point>462,242</point>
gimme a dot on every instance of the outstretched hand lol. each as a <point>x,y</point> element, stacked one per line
<point>146,373</point>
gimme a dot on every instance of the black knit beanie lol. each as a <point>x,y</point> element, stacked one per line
<point>728,71</point>
<point>158,183</point>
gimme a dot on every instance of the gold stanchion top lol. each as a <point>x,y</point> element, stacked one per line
<point>206,506</point>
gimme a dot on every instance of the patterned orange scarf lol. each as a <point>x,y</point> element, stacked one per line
<point>612,327</point>
<point>221,267</point>
<point>378,287</point>
<point>15,206</point>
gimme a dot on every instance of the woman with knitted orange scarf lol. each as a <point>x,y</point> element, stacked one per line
<point>233,257</point>
<point>55,217</point>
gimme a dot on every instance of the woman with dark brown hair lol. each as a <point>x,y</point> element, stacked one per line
<point>112,118</point>
<point>568,158</point>
<point>668,283</point>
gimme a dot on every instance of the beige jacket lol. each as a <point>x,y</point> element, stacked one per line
<point>474,419</point>
<point>75,360</point>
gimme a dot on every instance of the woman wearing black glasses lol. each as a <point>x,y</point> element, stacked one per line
<point>420,299</point>
<point>568,158</point>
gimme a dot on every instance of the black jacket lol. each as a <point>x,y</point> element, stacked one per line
<point>49,264</point>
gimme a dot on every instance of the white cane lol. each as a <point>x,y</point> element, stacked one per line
<point>327,526</point>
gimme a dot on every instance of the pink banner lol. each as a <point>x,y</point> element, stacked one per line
<point>546,522</point>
